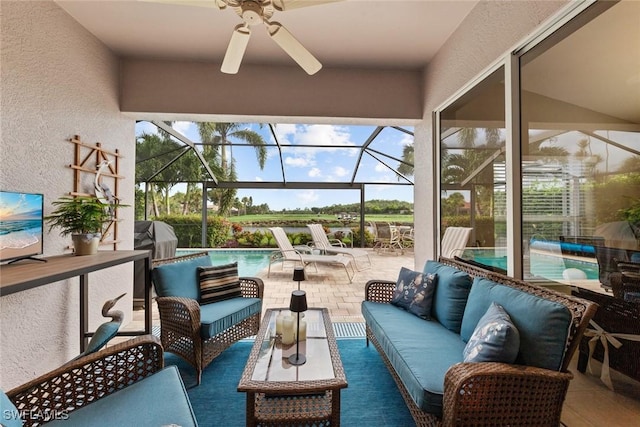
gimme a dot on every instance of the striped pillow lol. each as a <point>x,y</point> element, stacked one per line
<point>219,282</point>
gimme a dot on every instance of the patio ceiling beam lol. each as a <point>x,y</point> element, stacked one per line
<point>180,137</point>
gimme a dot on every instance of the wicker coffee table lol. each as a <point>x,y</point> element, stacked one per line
<point>279,393</point>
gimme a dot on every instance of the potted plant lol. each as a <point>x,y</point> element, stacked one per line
<point>83,218</point>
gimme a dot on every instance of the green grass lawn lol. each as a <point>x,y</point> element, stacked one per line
<point>308,218</point>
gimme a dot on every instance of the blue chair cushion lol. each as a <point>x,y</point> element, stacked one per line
<point>414,292</point>
<point>495,339</point>
<point>219,316</point>
<point>157,400</point>
<point>9,415</point>
<point>421,351</point>
<point>179,279</point>
<point>450,298</point>
<point>542,344</point>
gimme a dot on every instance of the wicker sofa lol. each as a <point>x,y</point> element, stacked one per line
<point>425,357</point>
<point>200,332</point>
<point>124,384</point>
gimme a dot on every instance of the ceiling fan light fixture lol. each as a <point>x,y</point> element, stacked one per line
<point>236,49</point>
<point>293,48</point>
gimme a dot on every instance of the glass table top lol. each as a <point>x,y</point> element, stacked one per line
<point>272,363</point>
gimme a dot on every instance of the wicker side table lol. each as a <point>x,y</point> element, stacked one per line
<point>279,393</point>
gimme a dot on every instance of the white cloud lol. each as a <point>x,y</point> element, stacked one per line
<point>406,140</point>
<point>323,135</point>
<point>182,127</point>
<point>315,173</point>
<point>298,162</point>
<point>258,178</point>
<point>284,132</point>
<point>146,127</point>
<point>307,197</point>
<point>340,171</point>
<point>381,168</point>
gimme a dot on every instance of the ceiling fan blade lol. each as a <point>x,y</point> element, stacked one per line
<point>235,50</point>
<point>283,5</point>
<point>200,3</point>
<point>294,48</point>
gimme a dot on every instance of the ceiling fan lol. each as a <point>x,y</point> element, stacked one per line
<point>256,12</point>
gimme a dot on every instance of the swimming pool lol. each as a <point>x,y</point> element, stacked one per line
<point>548,266</point>
<point>250,261</point>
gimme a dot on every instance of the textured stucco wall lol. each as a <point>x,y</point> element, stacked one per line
<point>490,30</point>
<point>57,80</point>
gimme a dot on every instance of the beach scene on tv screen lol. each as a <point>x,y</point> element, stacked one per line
<point>20,225</point>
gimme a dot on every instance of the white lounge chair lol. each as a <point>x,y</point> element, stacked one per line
<point>288,253</point>
<point>359,257</point>
<point>454,241</point>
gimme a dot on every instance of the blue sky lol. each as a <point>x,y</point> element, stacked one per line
<point>322,155</point>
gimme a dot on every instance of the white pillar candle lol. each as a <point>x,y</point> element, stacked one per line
<point>303,330</point>
<point>279,318</point>
<point>288,330</point>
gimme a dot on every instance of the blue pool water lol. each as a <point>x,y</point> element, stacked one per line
<point>542,265</point>
<point>250,262</point>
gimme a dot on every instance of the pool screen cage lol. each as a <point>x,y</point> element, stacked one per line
<point>165,164</point>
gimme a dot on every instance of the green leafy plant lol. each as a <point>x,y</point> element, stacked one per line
<point>80,215</point>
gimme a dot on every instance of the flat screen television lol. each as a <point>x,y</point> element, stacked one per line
<point>21,225</point>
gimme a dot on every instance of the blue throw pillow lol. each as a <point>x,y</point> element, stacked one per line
<point>414,292</point>
<point>495,339</point>
<point>451,294</point>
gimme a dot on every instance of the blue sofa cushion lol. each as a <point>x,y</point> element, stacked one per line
<point>179,279</point>
<point>421,351</point>
<point>219,282</point>
<point>220,316</point>
<point>157,400</point>
<point>414,292</point>
<point>495,339</point>
<point>542,344</point>
<point>9,415</point>
<point>450,296</point>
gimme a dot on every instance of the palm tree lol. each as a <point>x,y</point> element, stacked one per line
<point>216,137</point>
<point>406,166</point>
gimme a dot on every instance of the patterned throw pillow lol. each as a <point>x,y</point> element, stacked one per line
<point>495,338</point>
<point>414,292</point>
<point>219,282</point>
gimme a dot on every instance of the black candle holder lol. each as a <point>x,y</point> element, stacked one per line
<point>297,305</point>
<point>298,275</point>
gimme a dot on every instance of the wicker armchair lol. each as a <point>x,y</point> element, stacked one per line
<point>489,393</point>
<point>88,382</point>
<point>180,322</point>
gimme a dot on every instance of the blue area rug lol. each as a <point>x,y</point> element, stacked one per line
<point>372,398</point>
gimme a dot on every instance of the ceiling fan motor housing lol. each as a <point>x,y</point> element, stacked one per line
<point>252,12</point>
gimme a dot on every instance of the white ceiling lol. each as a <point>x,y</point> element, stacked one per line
<point>387,34</point>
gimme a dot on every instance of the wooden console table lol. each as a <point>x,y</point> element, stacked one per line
<point>19,277</point>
